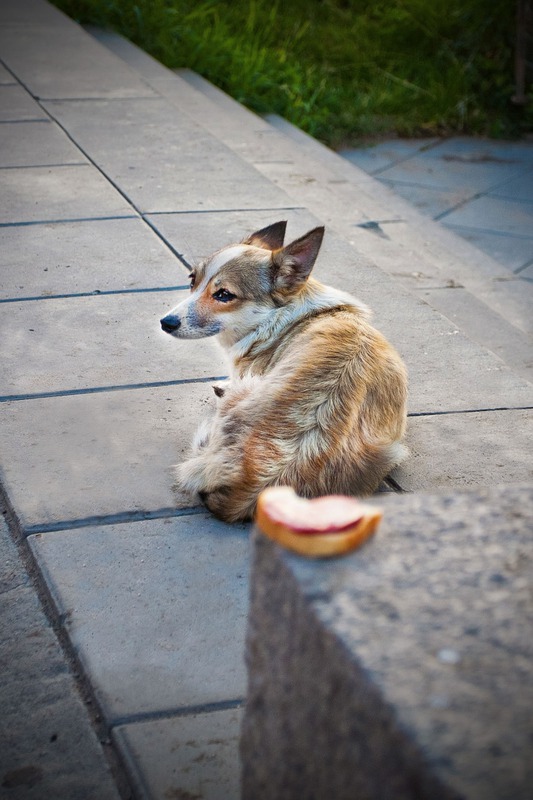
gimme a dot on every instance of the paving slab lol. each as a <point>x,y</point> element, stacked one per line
<point>423,643</point>
<point>520,188</point>
<point>36,144</point>
<point>6,78</point>
<point>440,376</point>
<point>75,343</point>
<point>490,214</point>
<point>470,163</point>
<point>51,194</point>
<point>93,256</point>
<point>84,456</point>
<point>48,747</point>
<point>465,450</point>
<point>376,157</point>
<point>511,250</point>
<point>443,170</point>
<point>154,609</point>
<point>197,235</point>
<point>323,173</point>
<point>392,236</point>
<point>527,272</point>
<point>429,199</point>
<point>476,319</point>
<point>162,159</point>
<point>16,104</point>
<point>38,52</point>
<point>184,757</point>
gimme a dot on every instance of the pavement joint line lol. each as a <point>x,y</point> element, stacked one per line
<point>468,411</point>
<point>21,121</point>
<point>390,481</point>
<point>119,518</point>
<point>90,159</point>
<point>458,206</point>
<point>15,79</point>
<point>223,210</point>
<point>491,231</point>
<point>124,387</point>
<point>524,266</point>
<point>406,157</point>
<point>118,189</point>
<point>181,711</point>
<point>169,244</point>
<point>61,221</point>
<point>131,98</point>
<point>76,669</point>
<point>95,293</point>
<point>519,200</point>
<point>46,166</point>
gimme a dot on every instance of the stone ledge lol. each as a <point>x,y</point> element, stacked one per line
<point>403,670</point>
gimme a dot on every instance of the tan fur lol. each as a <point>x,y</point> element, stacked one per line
<point>319,405</point>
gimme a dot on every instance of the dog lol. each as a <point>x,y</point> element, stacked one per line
<point>316,398</point>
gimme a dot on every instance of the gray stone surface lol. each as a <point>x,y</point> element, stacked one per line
<point>527,272</point>
<point>57,344</point>
<point>6,78</point>
<point>184,757</point>
<point>36,144</point>
<point>378,156</point>
<point>55,58</point>
<point>162,159</point>
<point>503,215</point>
<point>197,234</point>
<point>480,189</point>
<point>74,457</point>
<point>484,327</point>
<point>428,199</point>
<point>466,450</point>
<point>92,256</point>
<point>449,166</point>
<point>513,251</point>
<point>48,748</point>
<point>312,174</point>
<point>520,188</point>
<point>403,670</point>
<point>16,103</point>
<point>58,193</point>
<point>155,610</point>
<point>346,199</point>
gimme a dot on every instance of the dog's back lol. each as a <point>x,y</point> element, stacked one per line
<point>325,417</point>
<point>317,399</point>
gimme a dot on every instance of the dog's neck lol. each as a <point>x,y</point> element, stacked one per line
<point>274,323</point>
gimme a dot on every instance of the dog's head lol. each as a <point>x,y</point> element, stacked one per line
<point>234,289</point>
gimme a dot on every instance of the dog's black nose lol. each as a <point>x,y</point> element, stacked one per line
<point>170,323</point>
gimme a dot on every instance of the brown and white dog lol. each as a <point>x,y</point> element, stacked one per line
<point>316,398</point>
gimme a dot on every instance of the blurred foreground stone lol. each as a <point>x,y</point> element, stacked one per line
<point>403,670</point>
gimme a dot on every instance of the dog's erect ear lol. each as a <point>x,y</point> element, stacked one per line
<point>294,262</point>
<point>270,238</point>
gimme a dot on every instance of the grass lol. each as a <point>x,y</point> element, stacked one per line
<point>341,70</point>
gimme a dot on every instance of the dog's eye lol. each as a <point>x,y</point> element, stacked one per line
<point>192,277</point>
<point>224,296</point>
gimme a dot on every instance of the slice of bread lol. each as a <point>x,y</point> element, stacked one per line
<point>325,526</point>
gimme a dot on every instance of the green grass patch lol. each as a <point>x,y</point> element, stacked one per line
<point>341,70</point>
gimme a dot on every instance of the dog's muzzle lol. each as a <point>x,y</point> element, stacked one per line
<point>170,323</point>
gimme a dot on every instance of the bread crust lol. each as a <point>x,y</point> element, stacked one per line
<point>312,544</point>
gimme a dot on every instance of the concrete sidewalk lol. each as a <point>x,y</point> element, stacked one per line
<point>115,175</point>
<point>480,189</point>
